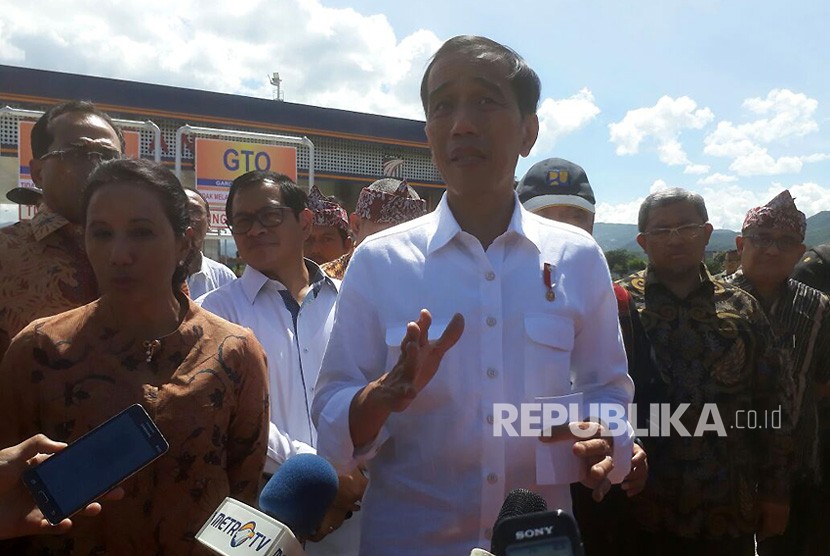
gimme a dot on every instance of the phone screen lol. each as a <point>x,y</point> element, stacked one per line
<point>95,463</point>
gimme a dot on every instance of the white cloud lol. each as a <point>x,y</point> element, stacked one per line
<point>727,203</point>
<point>696,169</point>
<point>558,118</point>
<point>663,122</point>
<point>787,115</point>
<point>717,178</point>
<point>325,56</point>
<point>622,213</point>
<point>658,185</point>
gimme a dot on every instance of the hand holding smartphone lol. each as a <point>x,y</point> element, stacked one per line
<point>95,463</point>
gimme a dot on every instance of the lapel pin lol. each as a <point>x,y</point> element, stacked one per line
<point>547,278</point>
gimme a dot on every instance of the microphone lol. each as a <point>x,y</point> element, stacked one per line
<point>524,527</point>
<point>294,502</point>
<point>300,492</point>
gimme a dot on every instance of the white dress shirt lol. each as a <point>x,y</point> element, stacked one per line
<point>294,355</point>
<point>212,275</point>
<point>438,475</point>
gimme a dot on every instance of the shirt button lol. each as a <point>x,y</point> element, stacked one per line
<point>491,321</point>
<point>490,419</point>
<point>491,372</point>
<point>490,276</point>
<point>305,350</point>
<point>492,478</point>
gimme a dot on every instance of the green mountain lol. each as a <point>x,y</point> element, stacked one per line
<point>818,229</point>
<point>623,236</point>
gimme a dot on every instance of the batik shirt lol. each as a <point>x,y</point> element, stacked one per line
<point>206,388</point>
<point>337,268</point>
<point>713,351</point>
<point>43,271</point>
<point>800,319</point>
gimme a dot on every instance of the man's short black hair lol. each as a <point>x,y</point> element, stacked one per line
<point>42,136</point>
<point>292,194</point>
<point>523,80</point>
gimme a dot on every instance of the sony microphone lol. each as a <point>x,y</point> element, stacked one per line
<point>525,528</point>
<point>294,502</point>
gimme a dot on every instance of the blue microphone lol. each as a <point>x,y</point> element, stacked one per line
<point>300,492</point>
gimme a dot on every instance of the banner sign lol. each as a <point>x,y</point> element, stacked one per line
<point>219,162</point>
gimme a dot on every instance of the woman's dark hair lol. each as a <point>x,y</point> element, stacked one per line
<point>155,178</point>
<point>292,194</point>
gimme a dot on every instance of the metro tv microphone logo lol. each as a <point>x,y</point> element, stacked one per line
<point>240,533</point>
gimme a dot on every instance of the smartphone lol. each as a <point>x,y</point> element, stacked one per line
<point>95,463</point>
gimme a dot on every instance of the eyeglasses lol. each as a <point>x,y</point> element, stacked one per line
<point>80,153</point>
<point>687,231</point>
<point>784,243</point>
<point>268,217</point>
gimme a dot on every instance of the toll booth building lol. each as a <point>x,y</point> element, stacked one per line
<point>219,136</point>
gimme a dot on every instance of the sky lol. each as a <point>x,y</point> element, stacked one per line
<point>727,98</point>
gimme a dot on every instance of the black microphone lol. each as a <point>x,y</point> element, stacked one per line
<point>524,527</point>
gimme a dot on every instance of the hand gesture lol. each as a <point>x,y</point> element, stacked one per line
<point>419,360</point>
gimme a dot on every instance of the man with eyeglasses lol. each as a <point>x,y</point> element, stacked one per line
<point>289,304</point>
<point>709,491</point>
<point>43,267</point>
<point>204,274</point>
<point>770,245</point>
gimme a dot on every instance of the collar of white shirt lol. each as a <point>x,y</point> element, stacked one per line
<point>252,280</point>
<point>522,223</point>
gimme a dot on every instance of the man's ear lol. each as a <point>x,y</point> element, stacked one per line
<point>739,244</point>
<point>530,125</point>
<point>354,223</point>
<point>36,171</point>
<point>306,220</point>
<point>707,231</point>
<point>641,241</point>
<point>187,244</point>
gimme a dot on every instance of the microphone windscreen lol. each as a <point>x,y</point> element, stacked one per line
<point>300,492</point>
<point>521,501</point>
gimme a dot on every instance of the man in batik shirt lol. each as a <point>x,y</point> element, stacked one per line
<point>43,267</point>
<point>770,244</point>
<point>381,205</point>
<point>709,491</point>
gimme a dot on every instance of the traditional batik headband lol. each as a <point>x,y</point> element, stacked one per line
<point>326,212</point>
<point>389,208</point>
<point>779,213</point>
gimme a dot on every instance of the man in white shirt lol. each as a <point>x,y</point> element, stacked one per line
<point>204,274</point>
<point>539,320</point>
<point>289,304</point>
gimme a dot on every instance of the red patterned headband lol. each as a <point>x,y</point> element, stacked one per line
<point>327,213</point>
<point>780,213</point>
<point>389,208</point>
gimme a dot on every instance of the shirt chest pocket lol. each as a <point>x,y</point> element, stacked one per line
<point>549,341</point>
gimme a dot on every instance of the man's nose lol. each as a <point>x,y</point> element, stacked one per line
<point>465,120</point>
